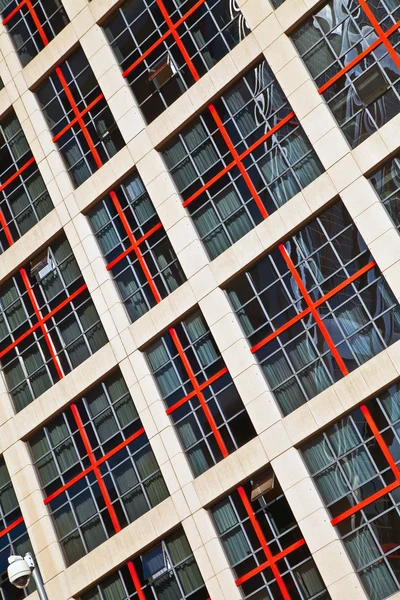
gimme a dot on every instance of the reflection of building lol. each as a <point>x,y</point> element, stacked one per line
<point>199,298</point>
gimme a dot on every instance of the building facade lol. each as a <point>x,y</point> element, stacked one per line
<point>199,298</point>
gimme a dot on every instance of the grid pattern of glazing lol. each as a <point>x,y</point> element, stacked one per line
<point>386,182</point>
<point>24,199</point>
<point>164,46</point>
<point>13,535</point>
<point>206,409</point>
<point>265,548</point>
<point>241,159</point>
<point>96,466</point>
<point>351,51</point>
<point>355,466</point>
<point>136,247</point>
<point>48,323</point>
<point>32,24</point>
<point>79,118</point>
<point>167,571</point>
<point>315,308</point>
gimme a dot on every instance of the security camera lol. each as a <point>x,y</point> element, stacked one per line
<point>20,570</point>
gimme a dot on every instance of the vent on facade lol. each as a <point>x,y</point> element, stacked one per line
<point>162,71</point>
<point>264,484</point>
<point>156,563</point>
<point>371,85</point>
<point>42,265</point>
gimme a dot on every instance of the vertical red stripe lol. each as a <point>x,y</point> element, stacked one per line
<point>42,325</point>
<point>35,18</point>
<point>314,311</point>
<point>78,117</point>
<point>203,403</point>
<point>135,247</point>
<point>96,471</point>
<point>261,538</point>
<point>380,32</point>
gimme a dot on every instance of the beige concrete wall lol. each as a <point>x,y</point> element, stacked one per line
<point>277,437</point>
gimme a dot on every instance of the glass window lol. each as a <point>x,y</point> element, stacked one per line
<point>168,571</point>
<point>240,160</point>
<point>315,308</point>
<point>78,117</point>
<point>386,182</point>
<point>96,467</point>
<point>205,407</point>
<point>351,52</point>
<point>355,465</point>
<point>263,543</point>
<point>48,323</point>
<point>32,25</point>
<point>136,247</point>
<point>164,47</point>
<point>24,199</point>
<point>13,536</point>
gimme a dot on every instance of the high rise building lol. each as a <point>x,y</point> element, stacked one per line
<point>199,298</point>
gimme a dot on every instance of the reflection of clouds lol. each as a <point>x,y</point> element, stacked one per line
<point>352,39</point>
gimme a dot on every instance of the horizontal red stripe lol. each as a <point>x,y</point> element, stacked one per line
<point>13,12</point>
<point>266,564</point>
<point>102,460</point>
<point>357,59</point>
<point>318,303</point>
<point>364,503</point>
<point>131,248</point>
<point>45,318</point>
<point>17,173</point>
<point>11,527</point>
<point>200,388</point>
<point>75,119</point>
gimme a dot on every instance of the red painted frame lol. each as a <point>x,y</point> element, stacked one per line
<point>383,38</point>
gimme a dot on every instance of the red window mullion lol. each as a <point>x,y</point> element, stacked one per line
<point>359,58</point>
<point>88,448</point>
<point>75,119</point>
<point>135,247</point>
<point>13,12</point>
<point>38,24</point>
<point>318,303</point>
<point>78,116</point>
<point>203,403</point>
<point>17,173</point>
<point>261,538</point>
<point>41,323</point>
<point>185,399</point>
<point>106,497</point>
<point>314,311</point>
<point>11,527</point>
<point>391,462</point>
<point>178,40</point>
<point>266,564</point>
<point>380,32</point>
<point>99,462</point>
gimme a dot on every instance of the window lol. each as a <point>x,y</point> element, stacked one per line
<point>13,535</point>
<point>206,409</point>
<point>48,324</point>
<point>32,24</point>
<point>240,160</point>
<point>96,466</point>
<point>24,199</point>
<point>386,182</point>
<point>168,571</point>
<point>264,546</point>
<point>351,51</point>
<point>136,247</point>
<point>355,466</point>
<point>164,47</point>
<point>79,118</point>
<point>315,308</point>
